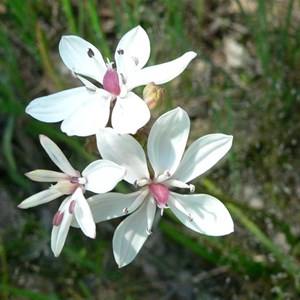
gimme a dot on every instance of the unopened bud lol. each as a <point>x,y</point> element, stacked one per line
<point>153,95</point>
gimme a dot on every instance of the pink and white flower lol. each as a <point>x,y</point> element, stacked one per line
<point>100,176</point>
<point>84,110</point>
<point>172,169</point>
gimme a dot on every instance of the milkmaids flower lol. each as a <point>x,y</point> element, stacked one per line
<point>166,144</point>
<point>84,110</point>
<point>100,176</point>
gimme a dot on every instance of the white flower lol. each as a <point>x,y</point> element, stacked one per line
<point>84,110</point>
<point>166,144</point>
<point>100,176</point>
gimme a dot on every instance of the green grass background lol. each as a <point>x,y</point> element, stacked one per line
<point>245,82</point>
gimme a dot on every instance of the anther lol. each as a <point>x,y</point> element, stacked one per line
<point>192,188</point>
<point>82,180</point>
<point>140,183</point>
<point>164,176</point>
<point>167,173</point>
<point>90,53</point>
<point>120,51</point>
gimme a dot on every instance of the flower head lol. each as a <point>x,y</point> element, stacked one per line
<point>100,176</point>
<point>172,169</point>
<point>84,110</point>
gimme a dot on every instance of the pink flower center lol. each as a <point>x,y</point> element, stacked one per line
<point>160,192</point>
<point>76,182</point>
<point>111,81</point>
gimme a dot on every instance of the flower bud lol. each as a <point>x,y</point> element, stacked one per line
<point>153,95</point>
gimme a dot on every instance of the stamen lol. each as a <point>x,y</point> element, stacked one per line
<point>164,176</point>
<point>192,188</point>
<point>175,203</point>
<point>90,53</point>
<point>140,183</point>
<point>78,180</point>
<point>151,208</point>
<point>137,202</point>
<point>168,174</point>
<point>180,184</point>
<point>82,180</point>
<point>163,208</point>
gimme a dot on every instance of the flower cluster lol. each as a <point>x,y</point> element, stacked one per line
<point>85,111</point>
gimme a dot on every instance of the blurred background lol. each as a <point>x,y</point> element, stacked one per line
<point>245,81</point>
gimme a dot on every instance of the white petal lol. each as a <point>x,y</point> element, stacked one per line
<point>132,233</point>
<point>40,198</point>
<point>45,176</point>
<point>133,51</point>
<point>58,106</point>
<point>202,155</point>
<point>113,205</point>
<point>102,175</point>
<point>89,85</point>
<point>83,214</point>
<point>75,53</point>
<point>57,156</point>
<point>125,151</point>
<point>167,140</point>
<point>129,114</point>
<point>202,213</point>
<point>90,116</point>
<point>65,186</point>
<point>54,235</point>
<point>161,73</point>
<point>59,233</point>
